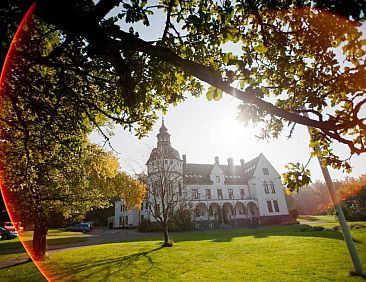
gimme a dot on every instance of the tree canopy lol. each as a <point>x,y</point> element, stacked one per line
<point>282,59</point>
<point>47,163</point>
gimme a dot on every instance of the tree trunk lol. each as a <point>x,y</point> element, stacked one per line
<point>166,235</point>
<point>39,237</point>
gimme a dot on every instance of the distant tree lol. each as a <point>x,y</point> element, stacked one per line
<point>130,189</point>
<point>312,199</point>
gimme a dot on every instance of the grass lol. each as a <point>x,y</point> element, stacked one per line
<point>321,218</point>
<point>54,237</point>
<point>275,254</point>
<point>268,254</point>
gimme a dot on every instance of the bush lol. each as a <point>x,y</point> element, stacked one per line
<point>147,226</point>
<point>181,220</point>
<point>355,207</point>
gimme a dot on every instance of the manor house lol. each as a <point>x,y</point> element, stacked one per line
<point>218,194</point>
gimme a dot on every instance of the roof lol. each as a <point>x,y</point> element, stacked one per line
<point>197,173</point>
<point>234,174</point>
<point>249,167</point>
<point>164,152</point>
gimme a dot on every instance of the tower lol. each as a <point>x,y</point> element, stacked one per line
<point>164,175</point>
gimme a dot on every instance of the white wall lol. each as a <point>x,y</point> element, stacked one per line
<point>273,176</point>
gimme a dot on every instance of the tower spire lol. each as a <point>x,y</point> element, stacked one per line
<point>163,136</point>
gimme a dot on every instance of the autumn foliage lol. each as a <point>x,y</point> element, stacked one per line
<point>314,199</point>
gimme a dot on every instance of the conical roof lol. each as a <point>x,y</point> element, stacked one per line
<point>164,149</point>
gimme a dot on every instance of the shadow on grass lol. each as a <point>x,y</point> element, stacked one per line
<point>108,266</point>
<point>16,262</point>
<point>228,235</point>
<point>16,246</point>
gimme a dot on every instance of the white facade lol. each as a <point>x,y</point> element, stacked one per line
<point>219,194</point>
<point>124,218</point>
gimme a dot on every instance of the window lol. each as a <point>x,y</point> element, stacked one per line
<point>219,193</point>
<point>242,193</point>
<point>142,217</point>
<point>269,205</point>
<point>271,185</point>
<point>208,194</point>
<point>120,220</point>
<point>121,207</point>
<point>275,204</point>
<point>231,194</point>
<point>195,194</point>
<point>217,179</point>
<point>265,171</point>
<point>266,189</point>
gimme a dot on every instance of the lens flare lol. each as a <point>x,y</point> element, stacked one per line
<point>323,21</point>
<point>5,191</point>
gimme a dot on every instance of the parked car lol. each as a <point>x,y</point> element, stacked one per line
<point>6,234</point>
<point>16,226</point>
<point>80,227</point>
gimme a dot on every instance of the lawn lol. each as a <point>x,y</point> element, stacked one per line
<point>54,237</point>
<point>318,218</point>
<point>268,254</point>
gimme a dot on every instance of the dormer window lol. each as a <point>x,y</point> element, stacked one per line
<point>271,185</point>
<point>195,194</point>
<point>231,194</point>
<point>219,194</point>
<point>217,179</point>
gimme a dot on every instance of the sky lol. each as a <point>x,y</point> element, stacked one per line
<point>203,129</point>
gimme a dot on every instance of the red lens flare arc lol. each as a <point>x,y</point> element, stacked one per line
<point>6,67</point>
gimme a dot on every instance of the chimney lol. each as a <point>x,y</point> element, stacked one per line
<point>217,160</point>
<point>184,157</point>
<point>241,162</point>
<point>230,162</point>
